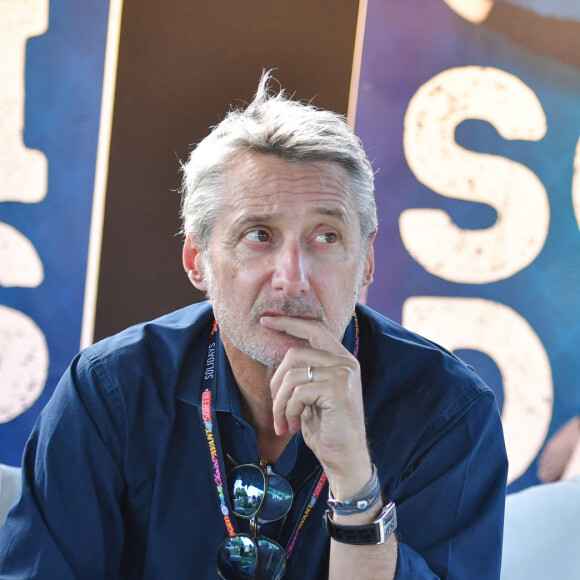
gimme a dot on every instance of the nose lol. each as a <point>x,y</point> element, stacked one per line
<point>290,271</point>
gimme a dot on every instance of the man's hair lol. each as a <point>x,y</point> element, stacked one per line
<point>272,124</point>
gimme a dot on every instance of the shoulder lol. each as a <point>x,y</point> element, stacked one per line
<point>418,395</point>
<point>401,365</point>
<point>158,348</point>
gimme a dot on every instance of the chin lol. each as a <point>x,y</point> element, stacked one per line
<point>270,354</point>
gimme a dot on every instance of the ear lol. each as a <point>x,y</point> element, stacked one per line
<point>193,263</point>
<point>369,267</point>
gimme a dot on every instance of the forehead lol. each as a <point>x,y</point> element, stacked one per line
<point>266,181</point>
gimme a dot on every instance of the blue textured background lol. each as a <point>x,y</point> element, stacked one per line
<point>64,73</point>
<point>405,45</point>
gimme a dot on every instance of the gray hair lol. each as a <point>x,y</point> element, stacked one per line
<point>272,124</point>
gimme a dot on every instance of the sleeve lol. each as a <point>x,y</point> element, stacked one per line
<point>451,498</point>
<point>68,521</point>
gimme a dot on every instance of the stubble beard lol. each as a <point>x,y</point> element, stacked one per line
<point>250,339</point>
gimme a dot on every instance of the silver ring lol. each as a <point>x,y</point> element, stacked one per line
<point>310,374</point>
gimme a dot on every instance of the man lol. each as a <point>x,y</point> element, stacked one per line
<point>125,473</point>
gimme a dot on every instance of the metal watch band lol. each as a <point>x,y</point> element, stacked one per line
<point>375,533</point>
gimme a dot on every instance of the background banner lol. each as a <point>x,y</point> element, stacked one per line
<point>470,110</point>
<point>51,72</point>
<point>99,102</point>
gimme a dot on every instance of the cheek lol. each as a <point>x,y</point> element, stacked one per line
<point>334,287</point>
<point>244,282</point>
<point>227,271</point>
<point>341,276</point>
<point>252,272</point>
<point>343,288</point>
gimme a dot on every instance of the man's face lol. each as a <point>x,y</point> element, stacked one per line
<point>287,242</point>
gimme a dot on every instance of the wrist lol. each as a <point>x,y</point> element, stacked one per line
<point>344,486</point>
<point>366,499</point>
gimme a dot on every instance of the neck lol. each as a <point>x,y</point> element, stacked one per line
<point>253,380</point>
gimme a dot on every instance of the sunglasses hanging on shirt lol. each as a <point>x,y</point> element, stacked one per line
<point>259,495</point>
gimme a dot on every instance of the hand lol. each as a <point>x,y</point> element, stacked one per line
<point>329,410</point>
<point>558,451</point>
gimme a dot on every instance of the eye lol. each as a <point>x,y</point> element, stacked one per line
<point>326,238</point>
<point>257,236</point>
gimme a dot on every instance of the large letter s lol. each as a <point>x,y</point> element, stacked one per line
<point>516,239</point>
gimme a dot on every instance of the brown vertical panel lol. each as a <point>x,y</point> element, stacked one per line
<point>182,63</point>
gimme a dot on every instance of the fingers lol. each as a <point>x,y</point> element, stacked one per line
<point>552,467</point>
<point>302,358</point>
<point>330,390</point>
<point>313,331</point>
<point>292,379</point>
<point>326,350</point>
<point>558,451</point>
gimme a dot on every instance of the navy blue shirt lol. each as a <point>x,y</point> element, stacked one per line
<point>117,481</point>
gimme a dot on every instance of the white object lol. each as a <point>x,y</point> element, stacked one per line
<point>542,532</point>
<point>10,486</point>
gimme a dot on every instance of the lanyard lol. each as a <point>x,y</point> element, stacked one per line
<point>209,419</point>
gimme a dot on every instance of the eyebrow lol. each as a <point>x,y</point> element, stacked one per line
<point>333,212</point>
<point>267,217</point>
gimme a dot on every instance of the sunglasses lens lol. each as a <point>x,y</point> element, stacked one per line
<point>236,558</point>
<point>240,557</point>
<point>246,484</point>
<point>272,560</point>
<point>278,499</point>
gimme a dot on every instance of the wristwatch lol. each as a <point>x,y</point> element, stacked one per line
<point>375,533</point>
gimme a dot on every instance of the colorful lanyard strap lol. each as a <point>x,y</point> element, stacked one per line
<point>209,419</point>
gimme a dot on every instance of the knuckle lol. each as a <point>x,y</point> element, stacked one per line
<point>347,373</point>
<point>292,354</point>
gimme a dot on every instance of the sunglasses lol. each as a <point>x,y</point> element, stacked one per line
<point>259,495</point>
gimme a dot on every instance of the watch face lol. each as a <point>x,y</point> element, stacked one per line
<point>387,521</point>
